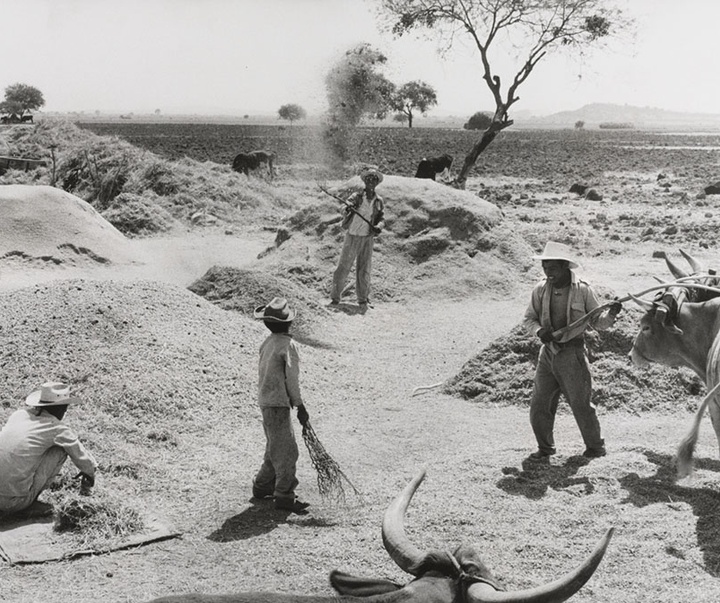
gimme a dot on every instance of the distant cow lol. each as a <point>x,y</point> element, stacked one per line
<point>429,168</point>
<point>26,119</point>
<point>244,162</point>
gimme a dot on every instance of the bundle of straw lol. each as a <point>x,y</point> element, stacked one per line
<point>330,477</point>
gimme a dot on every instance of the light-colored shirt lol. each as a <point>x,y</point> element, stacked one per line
<point>358,226</point>
<point>279,372</point>
<point>24,440</point>
<point>581,299</point>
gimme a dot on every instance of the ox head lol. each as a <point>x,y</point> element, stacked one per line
<point>656,342</point>
<point>460,576</point>
<point>440,576</point>
<point>661,338</point>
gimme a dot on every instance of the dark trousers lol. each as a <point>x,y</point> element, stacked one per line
<point>567,373</point>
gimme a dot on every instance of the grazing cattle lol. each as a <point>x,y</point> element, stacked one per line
<point>440,577</point>
<point>430,168</point>
<point>244,162</point>
<point>26,119</point>
<point>682,328</point>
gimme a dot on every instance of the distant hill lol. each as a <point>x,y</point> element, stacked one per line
<point>597,113</point>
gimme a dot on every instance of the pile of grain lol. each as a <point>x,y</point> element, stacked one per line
<point>43,225</point>
<point>503,372</point>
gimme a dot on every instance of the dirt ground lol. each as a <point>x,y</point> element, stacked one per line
<point>478,487</point>
<point>532,522</point>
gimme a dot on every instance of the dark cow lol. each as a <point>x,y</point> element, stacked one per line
<point>26,119</point>
<point>440,576</point>
<point>429,168</point>
<point>681,327</point>
<point>244,162</point>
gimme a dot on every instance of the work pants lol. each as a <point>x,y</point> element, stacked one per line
<point>50,464</point>
<point>356,249</point>
<point>566,372</point>
<point>277,472</point>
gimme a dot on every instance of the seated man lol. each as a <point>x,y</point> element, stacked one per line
<point>34,445</point>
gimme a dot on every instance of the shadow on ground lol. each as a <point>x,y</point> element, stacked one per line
<point>260,518</point>
<point>662,488</point>
<point>537,476</point>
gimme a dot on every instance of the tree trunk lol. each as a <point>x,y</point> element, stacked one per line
<point>487,137</point>
<point>410,116</point>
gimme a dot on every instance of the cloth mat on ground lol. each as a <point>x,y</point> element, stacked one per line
<point>35,541</point>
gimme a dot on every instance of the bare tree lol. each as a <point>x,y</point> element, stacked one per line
<point>533,28</point>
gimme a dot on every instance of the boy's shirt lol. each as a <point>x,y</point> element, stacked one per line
<point>279,372</point>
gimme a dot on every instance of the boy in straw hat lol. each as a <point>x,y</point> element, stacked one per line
<point>278,392</point>
<point>364,218</point>
<point>562,366</point>
<point>34,444</point>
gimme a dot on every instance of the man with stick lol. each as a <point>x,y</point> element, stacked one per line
<point>556,308</point>
<point>363,219</point>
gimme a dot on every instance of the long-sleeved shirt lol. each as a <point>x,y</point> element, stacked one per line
<point>581,300</point>
<point>24,440</point>
<point>279,372</point>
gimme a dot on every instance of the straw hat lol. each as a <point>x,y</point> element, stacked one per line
<point>371,172</point>
<point>276,311</point>
<point>51,394</point>
<point>558,251</point>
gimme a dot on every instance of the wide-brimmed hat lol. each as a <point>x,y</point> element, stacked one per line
<point>371,172</point>
<point>558,251</point>
<point>276,311</point>
<point>51,394</point>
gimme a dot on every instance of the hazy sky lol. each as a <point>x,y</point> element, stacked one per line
<point>252,56</point>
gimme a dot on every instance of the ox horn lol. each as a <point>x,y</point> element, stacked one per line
<point>641,302</point>
<point>407,556</point>
<point>696,266</point>
<point>675,270</point>
<point>554,592</point>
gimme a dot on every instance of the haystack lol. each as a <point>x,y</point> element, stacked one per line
<point>44,224</point>
<point>418,204</point>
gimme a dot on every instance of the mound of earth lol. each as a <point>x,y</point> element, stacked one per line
<point>503,373</point>
<point>418,206</point>
<point>439,242</point>
<point>144,356</point>
<point>158,370</point>
<point>44,225</point>
<point>243,290</point>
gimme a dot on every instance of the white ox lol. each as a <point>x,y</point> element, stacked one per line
<point>676,332</point>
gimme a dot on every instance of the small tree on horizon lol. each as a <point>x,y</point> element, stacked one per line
<point>530,28</point>
<point>413,96</point>
<point>20,98</point>
<point>292,112</point>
